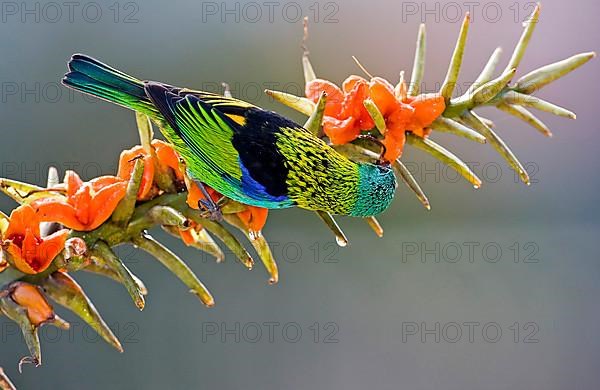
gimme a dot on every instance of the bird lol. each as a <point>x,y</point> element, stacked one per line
<point>251,155</point>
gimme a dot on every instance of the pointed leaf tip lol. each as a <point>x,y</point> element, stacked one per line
<point>487,72</point>
<point>176,266</point>
<point>224,235</point>
<point>314,122</point>
<point>456,61</point>
<point>126,206</point>
<point>375,225</point>
<point>106,255</point>
<point>260,244</point>
<point>145,132</point>
<point>408,179</point>
<point>516,98</point>
<point>526,116</point>
<point>298,103</point>
<point>376,115</point>
<point>528,28</point>
<point>418,70</point>
<point>331,223</point>
<point>545,75</point>
<point>497,143</point>
<point>445,156</point>
<point>65,291</point>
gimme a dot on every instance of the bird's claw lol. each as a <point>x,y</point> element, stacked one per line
<point>214,211</point>
<point>212,208</point>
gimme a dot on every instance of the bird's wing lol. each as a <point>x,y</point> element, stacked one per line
<point>205,133</point>
<point>217,131</point>
<point>231,107</point>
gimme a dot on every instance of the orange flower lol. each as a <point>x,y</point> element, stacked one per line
<point>88,204</point>
<point>345,115</point>
<point>254,218</point>
<point>428,107</point>
<point>127,162</point>
<point>168,157</point>
<point>30,252</point>
<point>403,113</point>
<point>397,116</point>
<point>189,235</point>
<point>29,297</point>
<point>195,195</point>
<point>162,158</point>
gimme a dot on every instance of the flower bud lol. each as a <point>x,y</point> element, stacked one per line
<point>30,298</point>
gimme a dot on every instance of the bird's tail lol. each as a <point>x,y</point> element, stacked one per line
<point>91,76</point>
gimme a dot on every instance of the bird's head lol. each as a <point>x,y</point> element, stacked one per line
<point>377,186</point>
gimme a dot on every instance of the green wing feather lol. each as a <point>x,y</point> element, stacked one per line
<point>227,105</point>
<point>209,135</point>
<point>202,136</point>
<point>236,158</point>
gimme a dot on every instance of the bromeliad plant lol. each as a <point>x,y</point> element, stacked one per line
<point>74,225</point>
<point>364,115</point>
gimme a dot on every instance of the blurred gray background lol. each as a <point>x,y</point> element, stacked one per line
<point>491,289</point>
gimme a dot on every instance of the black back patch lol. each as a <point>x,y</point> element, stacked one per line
<point>256,143</point>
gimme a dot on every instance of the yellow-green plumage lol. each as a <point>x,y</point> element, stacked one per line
<point>253,156</point>
<point>330,179</point>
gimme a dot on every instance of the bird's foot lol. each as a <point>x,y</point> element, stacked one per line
<point>208,204</point>
<point>214,211</point>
